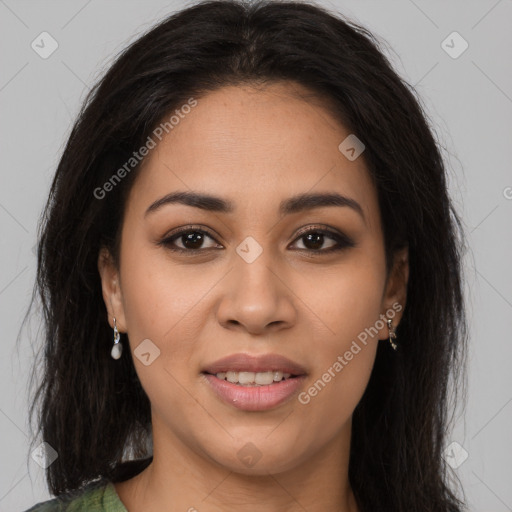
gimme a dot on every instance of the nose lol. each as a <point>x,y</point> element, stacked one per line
<point>257,296</point>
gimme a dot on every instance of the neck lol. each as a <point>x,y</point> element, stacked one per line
<point>180,479</point>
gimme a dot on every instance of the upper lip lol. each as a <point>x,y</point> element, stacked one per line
<point>250,363</point>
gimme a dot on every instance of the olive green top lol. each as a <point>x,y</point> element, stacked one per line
<point>96,497</point>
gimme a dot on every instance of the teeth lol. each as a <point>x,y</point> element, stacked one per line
<point>246,378</point>
<point>264,378</point>
<point>232,377</point>
<point>253,378</point>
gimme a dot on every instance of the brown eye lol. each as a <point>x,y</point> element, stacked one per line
<point>191,240</point>
<point>314,238</point>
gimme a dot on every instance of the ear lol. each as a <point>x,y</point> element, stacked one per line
<point>395,293</point>
<point>111,288</point>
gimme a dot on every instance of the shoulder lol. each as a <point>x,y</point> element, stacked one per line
<point>95,497</point>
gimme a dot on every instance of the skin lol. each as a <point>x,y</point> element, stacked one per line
<point>254,146</point>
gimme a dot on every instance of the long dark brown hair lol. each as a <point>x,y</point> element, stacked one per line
<point>91,409</point>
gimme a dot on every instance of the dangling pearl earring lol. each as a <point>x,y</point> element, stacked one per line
<point>117,349</point>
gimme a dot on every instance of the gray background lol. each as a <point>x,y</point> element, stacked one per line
<point>468,99</point>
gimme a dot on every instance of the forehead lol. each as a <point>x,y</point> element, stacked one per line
<point>255,146</point>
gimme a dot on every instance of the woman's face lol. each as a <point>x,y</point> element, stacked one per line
<point>249,280</point>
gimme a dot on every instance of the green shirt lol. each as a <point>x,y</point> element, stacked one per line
<point>96,497</point>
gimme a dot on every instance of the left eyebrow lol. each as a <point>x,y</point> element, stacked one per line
<point>295,204</point>
<point>307,201</point>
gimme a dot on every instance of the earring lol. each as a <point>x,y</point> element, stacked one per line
<point>117,349</point>
<point>392,334</point>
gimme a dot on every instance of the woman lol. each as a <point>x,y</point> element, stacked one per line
<point>250,200</point>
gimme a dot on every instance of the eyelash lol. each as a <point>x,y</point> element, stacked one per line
<point>342,241</point>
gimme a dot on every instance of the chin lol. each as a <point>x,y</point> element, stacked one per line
<point>250,460</point>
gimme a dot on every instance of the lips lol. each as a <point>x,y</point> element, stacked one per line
<point>255,398</point>
<point>246,367</point>
<point>249,363</point>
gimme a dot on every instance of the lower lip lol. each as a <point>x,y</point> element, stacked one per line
<point>255,398</point>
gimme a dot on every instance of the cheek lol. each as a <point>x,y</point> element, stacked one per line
<point>163,303</point>
<point>349,308</point>
<point>344,361</point>
<point>159,307</point>
<point>347,299</point>
<point>156,295</point>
